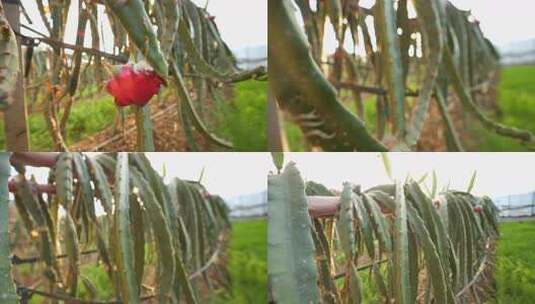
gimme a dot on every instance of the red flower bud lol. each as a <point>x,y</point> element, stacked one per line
<point>134,86</point>
<point>11,186</point>
<point>478,209</point>
<point>339,54</point>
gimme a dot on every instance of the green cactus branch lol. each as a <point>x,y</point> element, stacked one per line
<point>136,22</point>
<point>7,288</point>
<point>434,37</point>
<point>183,97</point>
<point>141,213</point>
<point>300,88</point>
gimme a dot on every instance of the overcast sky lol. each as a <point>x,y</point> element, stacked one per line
<point>497,173</point>
<point>503,21</point>
<point>242,23</point>
<point>227,174</point>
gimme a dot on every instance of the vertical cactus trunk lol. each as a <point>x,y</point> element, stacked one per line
<point>7,289</point>
<point>402,287</point>
<point>127,275</point>
<point>346,233</point>
<point>389,47</point>
<point>145,140</point>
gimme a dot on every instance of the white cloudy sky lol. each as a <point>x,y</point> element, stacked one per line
<point>242,23</point>
<point>497,173</point>
<point>227,174</point>
<point>503,21</point>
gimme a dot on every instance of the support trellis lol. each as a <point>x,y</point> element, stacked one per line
<point>183,226</point>
<point>413,248</point>
<point>455,54</point>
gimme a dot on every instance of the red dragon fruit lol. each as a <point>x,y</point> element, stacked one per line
<point>134,85</point>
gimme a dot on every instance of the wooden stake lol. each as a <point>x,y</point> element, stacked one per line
<point>15,116</point>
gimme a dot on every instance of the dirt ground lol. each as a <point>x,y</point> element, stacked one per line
<point>168,133</point>
<point>433,131</point>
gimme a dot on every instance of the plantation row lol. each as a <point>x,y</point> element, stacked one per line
<point>153,240</point>
<point>390,243</point>
<point>402,58</point>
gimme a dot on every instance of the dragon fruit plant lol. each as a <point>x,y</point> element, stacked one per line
<point>154,42</point>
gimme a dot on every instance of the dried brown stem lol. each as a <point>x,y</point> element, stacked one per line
<point>91,51</point>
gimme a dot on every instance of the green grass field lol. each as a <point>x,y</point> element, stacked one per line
<point>515,271</point>
<point>247,264</point>
<point>516,99</point>
<point>243,120</point>
<point>87,118</point>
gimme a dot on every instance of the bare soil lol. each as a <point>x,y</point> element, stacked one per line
<point>168,133</point>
